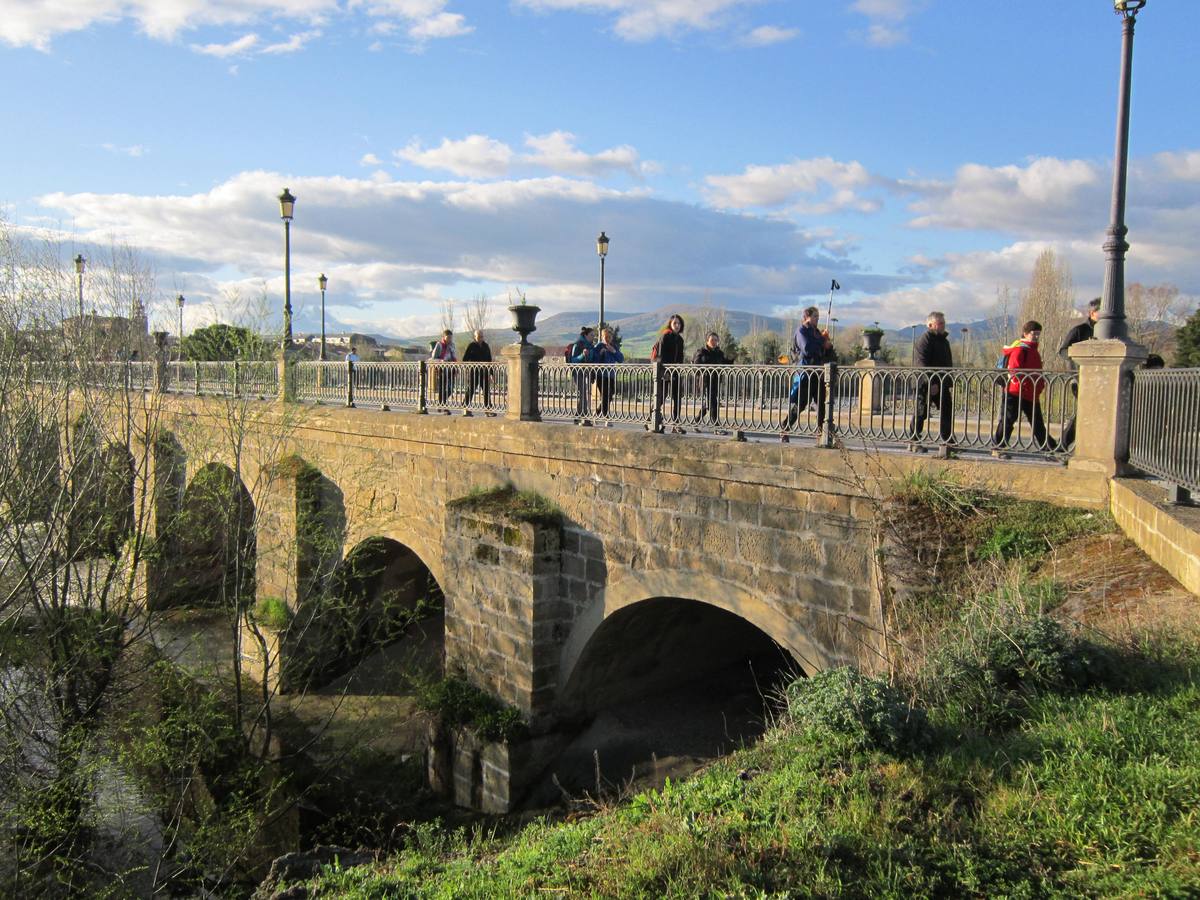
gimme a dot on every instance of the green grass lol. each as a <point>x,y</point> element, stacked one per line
<point>522,506</point>
<point>1087,793</point>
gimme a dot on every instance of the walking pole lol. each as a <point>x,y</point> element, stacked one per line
<point>833,286</point>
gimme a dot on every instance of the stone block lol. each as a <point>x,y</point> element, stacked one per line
<point>757,546</point>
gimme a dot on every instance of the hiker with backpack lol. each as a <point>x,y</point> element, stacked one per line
<point>582,351</point>
<point>444,351</point>
<point>810,347</point>
<point>668,349</point>
<point>607,353</point>
<point>1023,392</point>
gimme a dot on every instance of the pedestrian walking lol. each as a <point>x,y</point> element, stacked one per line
<point>607,353</point>
<point>1084,331</point>
<point>581,352</point>
<point>1024,391</point>
<point>711,354</point>
<point>810,347</point>
<point>478,351</point>
<point>933,352</point>
<point>443,351</point>
<point>669,350</point>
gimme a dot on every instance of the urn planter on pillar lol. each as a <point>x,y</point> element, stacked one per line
<point>524,317</point>
<point>871,339</point>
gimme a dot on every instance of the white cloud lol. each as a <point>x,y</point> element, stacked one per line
<point>370,159</point>
<point>136,150</point>
<point>814,186</point>
<point>479,156</point>
<point>643,20</point>
<point>293,44</point>
<point>475,156</point>
<point>237,47</point>
<point>766,35</point>
<point>35,23</point>
<point>881,35</point>
<point>886,19</point>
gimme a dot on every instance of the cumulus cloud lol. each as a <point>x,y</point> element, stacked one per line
<point>391,242</point>
<point>479,156</point>
<point>813,186</point>
<point>35,23</point>
<point>766,35</point>
<point>237,47</point>
<point>370,159</point>
<point>644,20</point>
<point>885,26</point>
<point>293,44</point>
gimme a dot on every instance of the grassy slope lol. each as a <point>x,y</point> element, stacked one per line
<point>1076,790</point>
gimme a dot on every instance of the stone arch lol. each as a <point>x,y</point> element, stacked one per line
<point>34,461</point>
<point>637,590</point>
<point>101,478</point>
<point>380,593</point>
<point>210,546</point>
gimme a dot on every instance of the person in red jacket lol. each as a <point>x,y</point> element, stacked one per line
<point>1022,392</point>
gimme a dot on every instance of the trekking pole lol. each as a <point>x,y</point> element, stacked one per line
<point>833,286</point>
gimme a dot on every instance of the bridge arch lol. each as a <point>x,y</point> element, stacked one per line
<point>718,609</point>
<point>210,546</point>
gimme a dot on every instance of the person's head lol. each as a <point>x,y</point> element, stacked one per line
<point>1031,331</point>
<point>478,335</point>
<point>812,315</point>
<point>712,340</point>
<point>675,324</point>
<point>447,334</point>
<point>586,332</point>
<point>353,349</point>
<point>1154,361</point>
<point>936,322</point>
<point>1093,309</point>
<point>606,334</point>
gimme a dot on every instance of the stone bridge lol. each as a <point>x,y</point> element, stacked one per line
<point>672,556</point>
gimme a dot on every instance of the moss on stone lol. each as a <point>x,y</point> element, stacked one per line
<point>507,501</point>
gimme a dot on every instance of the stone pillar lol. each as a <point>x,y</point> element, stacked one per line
<point>1105,392</point>
<point>159,480</point>
<point>523,362</point>
<point>870,393</point>
<point>291,554</point>
<point>505,623</point>
<point>287,384</point>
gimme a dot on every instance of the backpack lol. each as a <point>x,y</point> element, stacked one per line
<point>656,351</point>
<point>569,350</point>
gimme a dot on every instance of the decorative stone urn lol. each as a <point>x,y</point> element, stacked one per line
<point>524,317</point>
<point>871,339</point>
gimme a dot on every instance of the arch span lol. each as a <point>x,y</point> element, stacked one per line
<point>210,546</point>
<point>728,596</point>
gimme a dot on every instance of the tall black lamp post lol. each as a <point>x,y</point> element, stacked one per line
<point>80,265</point>
<point>179,301</point>
<point>322,283</point>
<point>966,355</point>
<point>287,206</point>
<point>1111,325</point>
<point>602,252</point>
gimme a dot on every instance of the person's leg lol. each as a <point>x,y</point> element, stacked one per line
<point>1068,432</point>
<point>487,390</point>
<point>676,395</point>
<point>1040,438</point>
<point>713,390</point>
<point>822,396</point>
<point>946,413</point>
<point>1008,418</point>
<point>471,380</point>
<point>917,425</point>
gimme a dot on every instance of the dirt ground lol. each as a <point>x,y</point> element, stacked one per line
<point>1114,587</point>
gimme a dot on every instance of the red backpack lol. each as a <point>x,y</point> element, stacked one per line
<point>655,351</point>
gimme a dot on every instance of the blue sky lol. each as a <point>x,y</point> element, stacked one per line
<point>737,152</point>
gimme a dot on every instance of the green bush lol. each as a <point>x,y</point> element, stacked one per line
<point>1020,529</point>
<point>272,612</point>
<point>458,702</point>
<point>868,711</point>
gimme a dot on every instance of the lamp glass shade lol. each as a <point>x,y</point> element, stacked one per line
<point>1128,7</point>
<point>602,244</point>
<point>179,301</point>
<point>80,262</point>
<point>287,205</point>
<point>322,281</point>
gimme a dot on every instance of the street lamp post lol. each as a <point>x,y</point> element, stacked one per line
<point>966,355</point>
<point>179,301</point>
<point>322,282</point>
<point>287,206</point>
<point>602,252</point>
<point>913,334</point>
<point>1111,325</point>
<point>80,265</point>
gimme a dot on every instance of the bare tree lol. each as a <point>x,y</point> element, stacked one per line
<point>446,305</point>
<point>1050,300</point>
<point>477,312</point>
<point>1154,312</point>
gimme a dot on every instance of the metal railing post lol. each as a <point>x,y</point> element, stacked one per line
<point>196,371</point>
<point>236,374</point>
<point>830,376</point>
<point>656,422</point>
<point>423,388</point>
<point>350,384</point>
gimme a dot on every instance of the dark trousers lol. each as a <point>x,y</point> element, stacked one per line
<point>709,404</point>
<point>1068,432</point>
<point>445,385</point>
<point>811,387</point>
<point>1014,407</point>
<point>583,387</point>
<point>672,386</point>
<point>483,380</point>
<point>944,401</point>
<point>607,382</point>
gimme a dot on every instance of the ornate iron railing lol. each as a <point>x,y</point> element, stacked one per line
<point>466,387</point>
<point>251,379</point>
<point>590,393</point>
<point>1164,427</point>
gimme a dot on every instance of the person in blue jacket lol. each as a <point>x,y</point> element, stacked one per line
<point>810,347</point>
<point>606,353</point>
<point>583,351</point>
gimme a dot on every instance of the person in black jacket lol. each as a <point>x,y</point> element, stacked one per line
<point>933,352</point>
<point>478,351</point>
<point>1084,331</point>
<point>710,354</point>
<point>670,352</point>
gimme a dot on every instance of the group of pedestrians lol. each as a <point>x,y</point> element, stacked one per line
<point>478,377</point>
